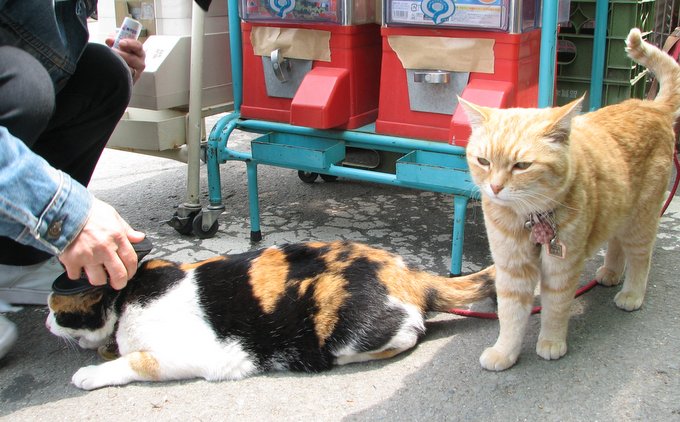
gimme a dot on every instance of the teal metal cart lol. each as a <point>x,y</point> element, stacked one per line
<point>430,166</point>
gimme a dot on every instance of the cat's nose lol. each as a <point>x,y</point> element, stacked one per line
<point>496,188</point>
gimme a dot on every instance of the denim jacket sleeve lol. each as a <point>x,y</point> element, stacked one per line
<point>39,205</point>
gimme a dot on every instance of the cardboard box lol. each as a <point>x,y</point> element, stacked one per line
<point>182,26</point>
<point>142,11</point>
<point>101,29</point>
<point>165,81</point>
<point>176,9</point>
<point>165,9</point>
<point>150,130</point>
<point>106,9</point>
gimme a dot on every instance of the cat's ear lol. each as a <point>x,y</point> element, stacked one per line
<point>560,129</point>
<point>476,115</point>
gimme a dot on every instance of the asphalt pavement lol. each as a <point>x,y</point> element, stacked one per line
<point>620,366</point>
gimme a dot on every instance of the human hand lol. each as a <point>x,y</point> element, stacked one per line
<point>103,246</point>
<point>133,53</point>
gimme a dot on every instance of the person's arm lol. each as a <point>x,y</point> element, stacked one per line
<point>39,205</point>
<point>43,207</point>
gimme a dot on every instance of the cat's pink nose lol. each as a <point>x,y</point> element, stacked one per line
<point>496,189</point>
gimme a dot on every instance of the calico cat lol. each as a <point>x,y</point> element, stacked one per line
<point>299,307</point>
<point>557,185</point>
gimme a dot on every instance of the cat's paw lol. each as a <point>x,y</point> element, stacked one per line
<point>551,349</point>
<point>607,277</point>
<point>628,301</point>
<point>90,378</point>
<point>493,360</point>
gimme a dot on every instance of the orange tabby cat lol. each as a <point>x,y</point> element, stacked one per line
<point>556,186</point>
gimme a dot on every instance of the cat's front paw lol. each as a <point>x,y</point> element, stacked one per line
<point>90,378</point>
<point>494,360</point>
<point>607,277</point>
<point>628,301</point>
<point>551,349</point>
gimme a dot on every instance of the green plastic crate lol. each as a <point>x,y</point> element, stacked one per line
<point>622,16</point>
<point>612,93</point>
<point>575,59</point>
<point>575,42</point>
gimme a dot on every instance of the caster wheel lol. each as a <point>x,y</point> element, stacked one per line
<point>329,178</point>
<point>307,176</point>
<point>198,227</point>
<point>183,225</point>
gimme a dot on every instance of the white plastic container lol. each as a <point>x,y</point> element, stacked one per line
<point>129,29</point>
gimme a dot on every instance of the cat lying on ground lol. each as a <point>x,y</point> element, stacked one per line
<point>556,185</point>
<point>299,307</point>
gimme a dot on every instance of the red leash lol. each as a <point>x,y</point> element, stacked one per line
<point>592,283</point>
<point>675,184</point>
<point>535,310</point>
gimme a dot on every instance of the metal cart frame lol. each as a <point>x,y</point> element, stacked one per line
<point>444,168</point>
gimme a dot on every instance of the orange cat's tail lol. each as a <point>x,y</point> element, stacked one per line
<point>447,293</point>
<point>665,68</point>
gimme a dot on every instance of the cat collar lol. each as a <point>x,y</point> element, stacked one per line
<point>544,232</point>
<point>542,227</point>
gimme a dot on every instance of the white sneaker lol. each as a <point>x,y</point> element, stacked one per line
<point>8,335</point>
<point>30,284</point>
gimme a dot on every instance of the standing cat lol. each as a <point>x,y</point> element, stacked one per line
<point>302,307</point>
<point>557,185</point>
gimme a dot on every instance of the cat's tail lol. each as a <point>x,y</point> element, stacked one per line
<point>446,293</point>
<point>665,68</point>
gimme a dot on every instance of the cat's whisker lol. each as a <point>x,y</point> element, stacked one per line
<point>70,343</point>
<point>525,206</point>
<point>542,196</point>
<point>476,210</point>
<point>475,190</point>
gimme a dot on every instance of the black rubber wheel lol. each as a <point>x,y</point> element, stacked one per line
<point>329,178</point>
<point>198,227</point>
<point>307,176</point>
<point>183,227</point>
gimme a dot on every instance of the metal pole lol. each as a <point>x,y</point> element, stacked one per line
<point>546,74</point>
<point>459,211</point>
<point>599,47</point>
<point>387,142</point>
<point>235,54</point>
<point>194,122</point>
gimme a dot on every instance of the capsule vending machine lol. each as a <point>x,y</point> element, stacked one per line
<point>485,51</point>
<point>313,63</point>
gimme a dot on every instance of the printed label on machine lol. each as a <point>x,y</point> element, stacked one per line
<point>467,13</point>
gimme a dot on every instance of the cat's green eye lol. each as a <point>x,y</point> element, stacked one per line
<point>522,165</point>
<point>483,161</point>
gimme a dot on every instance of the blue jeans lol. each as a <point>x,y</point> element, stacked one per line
<point>54,33</point>
<point>70,128</point>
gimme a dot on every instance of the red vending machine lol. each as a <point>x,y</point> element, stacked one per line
<point>313,63</point>
<point>486,51</point>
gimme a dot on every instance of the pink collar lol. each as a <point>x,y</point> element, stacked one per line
<point>542,226</point>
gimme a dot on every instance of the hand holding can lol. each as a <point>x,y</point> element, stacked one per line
<point>129,29</point>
